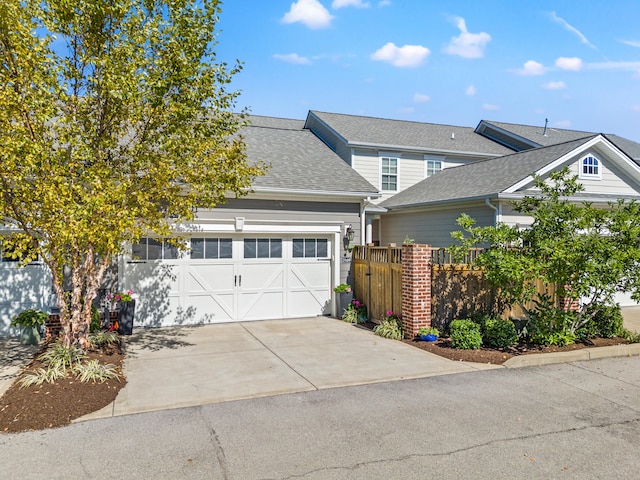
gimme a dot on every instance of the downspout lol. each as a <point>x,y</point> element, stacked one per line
<point>495,209</point>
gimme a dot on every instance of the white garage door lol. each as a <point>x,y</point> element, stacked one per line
<point>230,278</point>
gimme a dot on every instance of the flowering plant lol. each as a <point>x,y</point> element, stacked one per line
<point>359,307</point>
<point>121,296</point>
<point>390,316</point>
<point>342,288</point>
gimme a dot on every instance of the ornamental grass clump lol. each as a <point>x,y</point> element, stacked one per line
<point>391,326</point>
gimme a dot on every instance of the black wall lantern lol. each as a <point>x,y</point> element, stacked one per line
<point>348,238</point>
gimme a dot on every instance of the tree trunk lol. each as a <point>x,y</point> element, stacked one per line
<point>75,311</point>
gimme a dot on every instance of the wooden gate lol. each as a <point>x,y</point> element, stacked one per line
<point>377,275</point>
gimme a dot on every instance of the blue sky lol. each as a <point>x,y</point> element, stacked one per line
<point>573,62</point>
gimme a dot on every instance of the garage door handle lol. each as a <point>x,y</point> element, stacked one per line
<point>239,280</point>
<point>235,280</point>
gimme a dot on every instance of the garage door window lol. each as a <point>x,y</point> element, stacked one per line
<point>310,248</point>
<point>262,248</point>
<point>153,249</point>
<point>202,248</point>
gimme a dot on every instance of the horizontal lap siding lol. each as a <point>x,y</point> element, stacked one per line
<point>613,180</point>
<point>432,227</point>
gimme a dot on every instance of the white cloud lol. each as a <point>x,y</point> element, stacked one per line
<point>631,43</point>
<point>488,106</point>
<point>467,45</point>
<point>569,63</point>
<point>350,3</point>
<point>406,56</point>
<point>421,98</point>
<point>292,58</point>
<point>470,91</point>
<point>554,86</point>
<point>570,28</point>
<point>562,124</point>
<point>636,108</point>
<point>531,67</point>
<point>384,3</point>
<point>310,13</point>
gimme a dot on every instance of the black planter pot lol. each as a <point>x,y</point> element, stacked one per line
<point>125,317</point>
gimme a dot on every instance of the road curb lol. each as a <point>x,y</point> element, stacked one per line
<point>539,359</point>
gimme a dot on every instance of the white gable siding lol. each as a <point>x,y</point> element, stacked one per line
<point>367,164</point>
<point>611,179</point>
<point>430,226</point>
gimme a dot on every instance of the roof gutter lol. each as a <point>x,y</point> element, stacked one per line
<point>421,150</point>
<point>311,193</point>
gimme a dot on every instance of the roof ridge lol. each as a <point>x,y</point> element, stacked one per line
<point>392,119</point>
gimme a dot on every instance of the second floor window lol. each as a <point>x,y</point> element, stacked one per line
<point>432,167</point>
<point>389,180</point>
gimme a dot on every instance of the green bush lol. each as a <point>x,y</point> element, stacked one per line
<point>465,335</point>
<point>96,324</point>
<point>606,321</point>
<point>550,325</point>
<point>499,333</point>
<point>30,318</point>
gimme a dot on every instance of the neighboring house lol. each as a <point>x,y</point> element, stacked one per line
<point>393,155</point>
<point>427,212</point>
<point>276,253</point>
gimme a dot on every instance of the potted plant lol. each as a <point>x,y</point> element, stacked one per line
<point>428,334</point>
<point>126,306</point>
<point>30,321</point>
<point>345,295</point>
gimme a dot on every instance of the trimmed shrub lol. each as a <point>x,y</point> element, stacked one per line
<point>499,333</point>
<point>465,335</point>
<point>606,321</point>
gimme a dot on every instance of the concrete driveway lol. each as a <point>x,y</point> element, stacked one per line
<point>187,366</point>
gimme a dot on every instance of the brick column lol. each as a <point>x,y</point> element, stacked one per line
<point>416,288</point>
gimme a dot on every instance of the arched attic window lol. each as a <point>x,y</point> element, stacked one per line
<point>591,168</point>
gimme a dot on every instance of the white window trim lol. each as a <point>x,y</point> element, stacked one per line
<point>382,155</point>
<point>589,176</point>
<point>433,158</point>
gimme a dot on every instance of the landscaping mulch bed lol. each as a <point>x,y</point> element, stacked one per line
<point>55,404</point>
<point>498,356</point>
<point>494,356</point>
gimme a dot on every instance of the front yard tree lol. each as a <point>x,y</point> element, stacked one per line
<point>589,252</point>
<point>114,123</point>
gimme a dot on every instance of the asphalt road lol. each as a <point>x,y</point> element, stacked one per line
<point>570,421</point>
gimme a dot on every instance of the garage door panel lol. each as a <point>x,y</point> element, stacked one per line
<point>266,276</point>
<point>212,308</point>
<point>308,303</point>
<point>252,306</point>
<point>309,275</point>
<point>209,278</point>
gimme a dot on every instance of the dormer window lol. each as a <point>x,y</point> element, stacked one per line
<point>591,168</point>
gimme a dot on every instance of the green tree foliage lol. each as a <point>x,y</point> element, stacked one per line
<point>588,251</point>
<point>115,122</point>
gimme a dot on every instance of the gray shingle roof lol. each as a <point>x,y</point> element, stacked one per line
<point>480,179</point>
<point>383,132</point>
<point>299,160</point>
<point>538,136</point>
